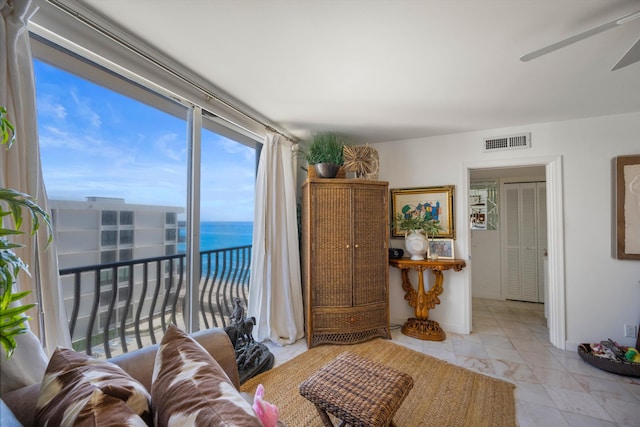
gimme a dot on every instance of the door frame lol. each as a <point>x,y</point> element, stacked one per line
<point>555,238</point>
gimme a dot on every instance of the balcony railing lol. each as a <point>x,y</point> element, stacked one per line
<point>114,308</point>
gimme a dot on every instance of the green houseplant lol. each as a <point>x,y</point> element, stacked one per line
<point>12,205</point>
<point>325,153</point>
<point>418,224</point>
<point>423,223</point>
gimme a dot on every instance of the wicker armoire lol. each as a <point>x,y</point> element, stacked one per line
<point>345,260</point>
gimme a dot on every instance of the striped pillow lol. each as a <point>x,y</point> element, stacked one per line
<point>81,391</point>
<point>189,388</point>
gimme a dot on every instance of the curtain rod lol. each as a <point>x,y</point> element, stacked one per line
<point>269,128</point>
<point>210,95</point>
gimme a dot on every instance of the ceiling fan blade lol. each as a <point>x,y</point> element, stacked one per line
<point>562,43</point>
<point>632,55</point>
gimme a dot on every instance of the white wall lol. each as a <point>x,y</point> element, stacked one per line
<point>602,293</point>
<point>485,253</point>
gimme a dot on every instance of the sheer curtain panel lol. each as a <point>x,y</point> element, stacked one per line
<point>275,293</point>
<point>20,170</point>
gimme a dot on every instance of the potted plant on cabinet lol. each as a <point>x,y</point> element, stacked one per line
<point>420,229</point>
<point>12,204</point>
<point>325,154</point>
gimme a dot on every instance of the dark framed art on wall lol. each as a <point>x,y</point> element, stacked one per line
<point>627,205</point>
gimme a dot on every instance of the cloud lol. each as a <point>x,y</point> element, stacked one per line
<point>48,107</point>
<point>166,144</point>
<point>85,110</point>
<point>85,147</point>
<point>233,147</point>
<point>54,137</point>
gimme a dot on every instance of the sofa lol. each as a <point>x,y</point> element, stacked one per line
<point>138,364</point>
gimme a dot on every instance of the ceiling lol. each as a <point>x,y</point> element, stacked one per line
<point>391,70</point>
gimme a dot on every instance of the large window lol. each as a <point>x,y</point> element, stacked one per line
<point>116,159</point>
<point>226,192</point>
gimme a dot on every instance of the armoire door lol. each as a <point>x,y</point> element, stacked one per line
<point>332,244</point>
<point>524,241</point>
<point>370,252</point>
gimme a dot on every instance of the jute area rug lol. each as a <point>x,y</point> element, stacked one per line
<point>443,394</point>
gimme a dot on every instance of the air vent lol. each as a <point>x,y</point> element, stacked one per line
<point>509,142</point>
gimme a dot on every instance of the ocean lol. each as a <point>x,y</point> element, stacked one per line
<point>221,235</point>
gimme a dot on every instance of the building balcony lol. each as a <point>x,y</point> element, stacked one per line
<point>119,307</point>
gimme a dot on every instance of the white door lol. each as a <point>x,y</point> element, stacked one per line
<point>524,241</point>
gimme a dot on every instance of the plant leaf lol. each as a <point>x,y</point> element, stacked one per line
<point>11,322</point>
<point>9,344</point>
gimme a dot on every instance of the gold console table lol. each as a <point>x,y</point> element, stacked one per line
<point>420,326</point>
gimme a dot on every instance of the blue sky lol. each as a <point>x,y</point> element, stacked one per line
<point>96,142</point>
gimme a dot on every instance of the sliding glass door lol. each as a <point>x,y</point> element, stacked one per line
<point>117,161</point>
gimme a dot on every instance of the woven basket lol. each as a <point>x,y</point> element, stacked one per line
<point>629,369</point>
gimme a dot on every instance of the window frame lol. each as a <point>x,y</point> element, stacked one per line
<point>51,48</point>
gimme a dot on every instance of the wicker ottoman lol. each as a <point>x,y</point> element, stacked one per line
<point>357,391</point>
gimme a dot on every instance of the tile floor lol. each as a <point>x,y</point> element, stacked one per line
<point>554,388</point>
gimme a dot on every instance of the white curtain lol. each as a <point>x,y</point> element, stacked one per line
<point>275,293</point>
<point>21,170</point>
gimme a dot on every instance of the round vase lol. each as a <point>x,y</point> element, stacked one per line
<point>416,244</point>
<point>326,170</point>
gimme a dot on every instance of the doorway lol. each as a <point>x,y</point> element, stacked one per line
<point>553,176</point>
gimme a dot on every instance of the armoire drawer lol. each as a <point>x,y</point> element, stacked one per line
<point>351,318</point>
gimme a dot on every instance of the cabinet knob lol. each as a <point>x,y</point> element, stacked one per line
<point>348,246</point>
<point>357,246</point>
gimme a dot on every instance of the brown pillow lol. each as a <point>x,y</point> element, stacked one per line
<point>189,388</point>
<point>81,391</point>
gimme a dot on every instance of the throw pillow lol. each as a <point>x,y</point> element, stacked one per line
<point>81,391</point>
<point>189,388</point>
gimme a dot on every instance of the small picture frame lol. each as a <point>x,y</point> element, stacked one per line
<point>443,247</point>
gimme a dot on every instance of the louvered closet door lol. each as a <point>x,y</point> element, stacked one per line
<point>522,269</point>
<point>511,242</point>
<point>529,242</point>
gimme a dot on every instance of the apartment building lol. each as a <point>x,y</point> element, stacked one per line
<point>104,231</point>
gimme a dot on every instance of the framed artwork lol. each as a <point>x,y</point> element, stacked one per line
<point>443,247</point>
<point>438,201</point>
<point>627,187</point>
